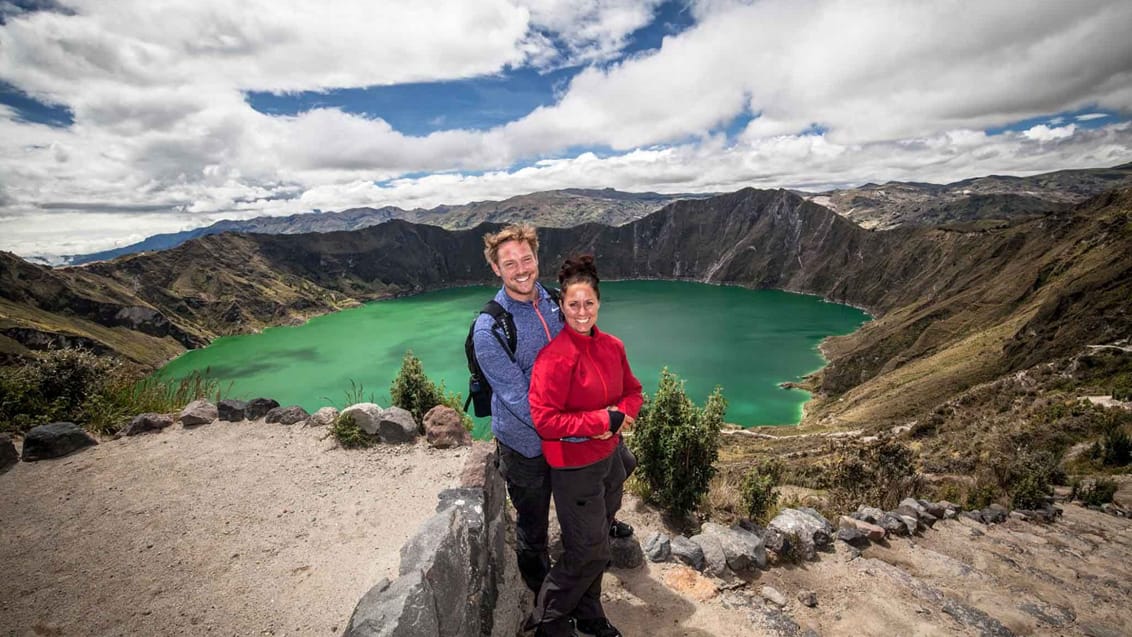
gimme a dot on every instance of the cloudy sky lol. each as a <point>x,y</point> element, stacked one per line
<point>124,118</point>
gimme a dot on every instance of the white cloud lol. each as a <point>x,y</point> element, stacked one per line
<point>1043,133</point>
<point>592,30</point>
<point>1087,117</point>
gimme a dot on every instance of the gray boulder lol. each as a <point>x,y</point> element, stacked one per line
<point>853,537</point>
<point>873,532</point>
<point>808,598</point>
<point>396,426</point>
<point>324,417</point>
<point>687,552</point>
<point>230,410</point>
<point>198,412</point>
<point>872,515</point>
<point>626,552</point>
<point>773,595</point>
<point>55,440</point>
<point>8,454</point>
<point>657,547</point>
<point>995,513</point>
<point>365,415</point>
<point>403,608</point>
<point>444,428</point>
<point>892,524</point>
<point>715,559</point>
<point>286,415</point>
<point>812,532</point>
<point>147,422</point>
<point>258,407</point>
<point>913,504</point>
<point>742,549</point>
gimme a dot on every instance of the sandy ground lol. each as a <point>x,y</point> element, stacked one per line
<point>225,529</point>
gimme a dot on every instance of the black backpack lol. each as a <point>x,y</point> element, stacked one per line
<point>479,390</point>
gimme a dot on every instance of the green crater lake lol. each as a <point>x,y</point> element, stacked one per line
<point>747,341</point>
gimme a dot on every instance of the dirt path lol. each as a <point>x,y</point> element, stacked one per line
<point>225,529</point>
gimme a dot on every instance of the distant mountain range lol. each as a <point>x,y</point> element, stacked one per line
<point>955,306</point>
<point>555,208</point>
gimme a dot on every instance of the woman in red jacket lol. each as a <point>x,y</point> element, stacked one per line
<point>582,394</point>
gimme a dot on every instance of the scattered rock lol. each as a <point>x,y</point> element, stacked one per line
<point>715,559</point>
<point>808,598</point>
<point>812,530</point>
<point>742,549</point>
<point>324,417</point>
<point>626,552</point>
<point>873,532</point>
<point>258,407</point>
<point>198,412</point>
<point>231,410</point>
<point>687,552</point>
<point>853,537</point>
<point>657,547</point>
<point>773,596</point>
<point>444,428</point>
<point>147,422</point>
<point>872,515</point>
<point>55,440</point>
<point>892,524</point>
<point>396,426</point>
<point>286,415</point>
<point>8,454</point>
<point>995,514</point>
<point>365,415</point>
<point>683,579</point>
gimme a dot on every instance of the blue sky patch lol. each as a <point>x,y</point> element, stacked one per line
<point>1082,118</point>
<point>29,109</point>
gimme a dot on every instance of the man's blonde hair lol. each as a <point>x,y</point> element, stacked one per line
<point>517,232</point>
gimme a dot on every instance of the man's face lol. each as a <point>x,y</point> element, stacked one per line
<point>517,265</point>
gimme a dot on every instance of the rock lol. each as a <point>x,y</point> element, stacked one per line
<point>974,515</point>
<point>147,422</point>
<point>928,519</point>
<point>444,428</point>
<point>853,537</point>
<point>258,407</point>
<point>231,410</point>
<point>8,454</point>
<point>55,440</point>
<point>741,548</point>
<point>365,415</point>
<point>715,560</point>
<point>773,596</point>
<point>892,524</point>
<point>938,510</point>
<point>914,504</point>
<point>995,514</point>
<point>808,599</point>
<point>401,608</point>
<point>687,552</point>
<point>871,515</point>
<point>198,412</point>
<point>396,426</point>
<point>626,552</point>
<point>324,417</point>
<point>657,547</point>
<point>911,523</point>
<point>812,532</point>
<point>286,415</point>
<point>820,519</point>
<point>873,532</point>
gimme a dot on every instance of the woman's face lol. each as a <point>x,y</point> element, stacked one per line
<point>580,305</point>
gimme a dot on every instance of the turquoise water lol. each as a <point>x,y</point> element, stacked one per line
<point>747,341</point>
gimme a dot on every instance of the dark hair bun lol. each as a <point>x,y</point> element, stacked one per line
<point>578,268</point>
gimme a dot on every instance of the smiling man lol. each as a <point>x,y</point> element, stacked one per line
<point>512,254</point>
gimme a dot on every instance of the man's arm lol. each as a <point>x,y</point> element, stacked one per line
<point>550,383</point>
<point>506,378</point>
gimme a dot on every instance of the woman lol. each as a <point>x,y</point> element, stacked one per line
<point>582,394</point>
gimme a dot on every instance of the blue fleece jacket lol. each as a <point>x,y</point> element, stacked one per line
<point>535,326</point>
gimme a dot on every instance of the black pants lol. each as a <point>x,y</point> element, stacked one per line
<point>585,499</point>
<point>528,485</point>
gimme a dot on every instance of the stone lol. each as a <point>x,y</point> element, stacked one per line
<point>657,547</point>
<point>258,407</point>
<point>773,595</point>
<point>995,514</point>
<point>396,426</point>
<point>365,415</point>
<point>914,504</point>
<point>324,417</point>
<point>55,440</point>
<point>742,549</point>
<point>892,524</point>
<point>447,551</point>
<point>853,537</point>
<point>873,532</point>
<point>198,412</point>
<point>812,531</point>
<point>928,520</point>
<point>871,515</point>
<point>808,599</point>
<point>626,552</point>
<point>402,608</point>
<point>147,422</point>
<point>687,552</point>
<point>938,510</point>
<point>231,410</point>
<point>911,523</point>
<point>715,560</point>
<point>444,428</point>
<point>8,454</point>
<point>286,415</point>
<point>977,516</point>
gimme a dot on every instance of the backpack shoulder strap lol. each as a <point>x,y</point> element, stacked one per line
<point>505,323</point>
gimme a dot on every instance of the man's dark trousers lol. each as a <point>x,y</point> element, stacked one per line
<point>528,485</point>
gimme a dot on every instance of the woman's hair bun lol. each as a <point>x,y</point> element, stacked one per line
<point>578,269</point>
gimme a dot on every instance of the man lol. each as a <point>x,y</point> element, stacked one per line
<point>512,255</point>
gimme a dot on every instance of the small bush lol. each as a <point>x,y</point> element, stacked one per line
<point>348,434</point>
<point>1030,492</point>
<point>677,444</point>
<point>981,495</point>
<point>1117,448</point>
<point>1094,492</point>
<point>759,496</point>
<point>878,474</point>
<point>1122,392</point>
<point>412,390</point>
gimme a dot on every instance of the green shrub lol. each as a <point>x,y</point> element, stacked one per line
<point>677,444</point>
<point>1117,448</point>
<point>880,473</point>
<point>1122,392</point>
<point>981,495</point>
<point>350,435</point>
<point>412,390</point>
<point>759,496</point>
<point>1093,492</point>
<point>1030,491</point>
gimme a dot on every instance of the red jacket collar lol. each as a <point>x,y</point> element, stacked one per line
<point>582,340</point>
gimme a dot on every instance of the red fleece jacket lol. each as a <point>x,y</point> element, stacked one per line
<point>575,378</point>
